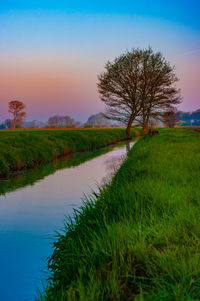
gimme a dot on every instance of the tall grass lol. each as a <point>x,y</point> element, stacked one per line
<point>25,149</point>
<point>139,237</point>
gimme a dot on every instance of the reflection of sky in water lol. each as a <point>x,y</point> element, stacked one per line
<point>112,164</point>
<point>30,216</point>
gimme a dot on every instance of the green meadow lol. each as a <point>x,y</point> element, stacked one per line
<point>23,149</point>
<point>139,237</point>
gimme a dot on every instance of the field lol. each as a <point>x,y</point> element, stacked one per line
<point>24,149</point>
<point>139,237</point>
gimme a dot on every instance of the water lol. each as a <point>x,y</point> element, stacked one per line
<point>33,206</point>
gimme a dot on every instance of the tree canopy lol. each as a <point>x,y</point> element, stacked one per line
<point>99,120</point>
<point>138,85</point>
<point>16,108</point>
<point>62,121</point>
<point>170,118</point>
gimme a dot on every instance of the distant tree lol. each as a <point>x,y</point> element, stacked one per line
<point>137,86</point>
<point>196,123</point>
<point>16,108</point>
<point>87,125</point>
<point>170,118</point>
<point>67,121</point>
<point>2,126</point>
<point>99,120</point>
<point>186,116</point>
<point>189,118</point>
<point>78,124</point>
<point>55,121</point>
<point>62,121</point>
<point>195,116</point>
<point>33,124</point>
<point>8,123</point>
<point>70,122</point>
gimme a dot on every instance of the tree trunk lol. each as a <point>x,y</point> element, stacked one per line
<point>146,122</point>
<point>144,125</point>
<point>14,123</point>
<point>129,125</point>
<point>144,129</point>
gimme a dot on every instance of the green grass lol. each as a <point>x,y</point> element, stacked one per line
<point>139,237</point>
<point>24,149</point>
<point>30,176</point>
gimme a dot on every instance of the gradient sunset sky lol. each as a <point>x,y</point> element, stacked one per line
<point>52,51</point>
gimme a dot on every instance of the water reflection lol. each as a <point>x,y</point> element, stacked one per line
<point>29,177</point>
<point>33,206</point>
<point>128,147</point>
<point>113,164</point>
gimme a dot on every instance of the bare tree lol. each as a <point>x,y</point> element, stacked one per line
<point>159,93</point>
<point>139,84</point>
<point>99,120</point>
<point>16,108</point>
<point>9,123</point>
<point>55,121</point>
<point>69,122</point>
<point>62,121</point>
<point>170,118</point>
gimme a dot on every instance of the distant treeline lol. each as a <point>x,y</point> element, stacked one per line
<point>189,118</point>
<point>57,121</point>
<point>96,120</point>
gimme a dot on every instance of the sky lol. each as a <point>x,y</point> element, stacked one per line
<point>52,51</point>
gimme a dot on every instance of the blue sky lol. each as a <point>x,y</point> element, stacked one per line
<point>52,51</point>
<point>183,12</point>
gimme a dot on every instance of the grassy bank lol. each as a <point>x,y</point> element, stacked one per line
<point>39,172</point>
<point>139,238</point>
<point>25,149</point>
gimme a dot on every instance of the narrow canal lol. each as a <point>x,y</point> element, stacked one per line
<point>33,206</point>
